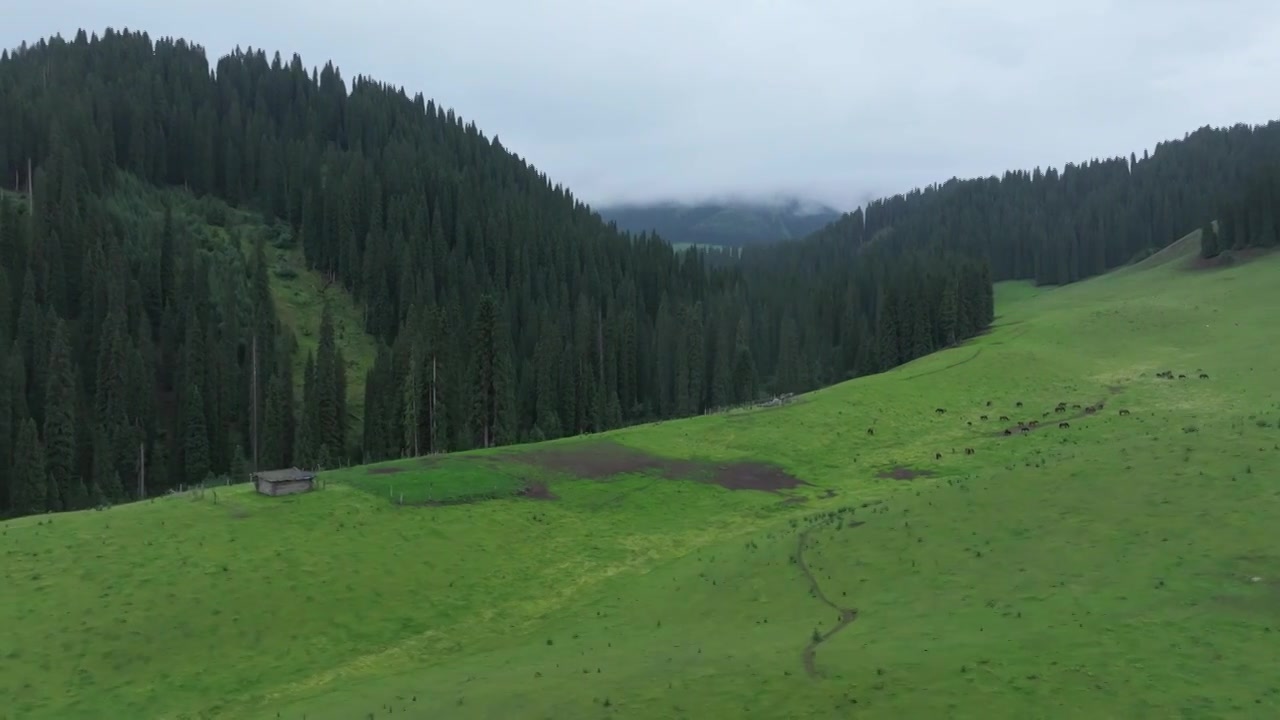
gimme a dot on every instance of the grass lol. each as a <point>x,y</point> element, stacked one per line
<point>1124,567</point>
<point>446,480</point>
<point>300,295</point>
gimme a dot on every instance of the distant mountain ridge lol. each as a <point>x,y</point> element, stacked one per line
<point>729,223</point>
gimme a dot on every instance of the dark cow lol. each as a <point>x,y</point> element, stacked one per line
<point>1060,409</point>
<point>940,411</point>
<point>988,403</point>
<point>1204,376</point>
<point>1025,430</point>
<point>1004,418</point>
<point>1076,406</point>
<point>1091,410</point>
<point>937,456</point>
<point>1007,431</point>
<point>1124,412</point>
<point>1182,377</point>
<point>984,417</point>
<point>968,451</point>
<point>1019,403</point>
<point>1064,425</point>
<point>870,431</point>
<point>1034,423</point>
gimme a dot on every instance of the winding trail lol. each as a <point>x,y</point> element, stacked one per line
<point>957,364</point>
<point>847,615</point>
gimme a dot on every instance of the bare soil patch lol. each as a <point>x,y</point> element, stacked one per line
<point>903,473</point>
<point>754,476</point>
<point>603,460</point>
<point>385,470</point>
<point>539,491</point>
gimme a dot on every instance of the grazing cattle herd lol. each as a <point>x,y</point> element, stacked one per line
<point>1025,426</point>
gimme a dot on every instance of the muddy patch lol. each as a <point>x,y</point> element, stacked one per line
<point>902,473</point>
<point>604,460</point>
<point>795,501</point>
<point>539,491</point>
<point>385,470</point>
<point>753,476</point>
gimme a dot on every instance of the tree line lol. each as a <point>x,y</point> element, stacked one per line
<point>1059,226</point>
<point>142,351</point>
<point>1248,218</point>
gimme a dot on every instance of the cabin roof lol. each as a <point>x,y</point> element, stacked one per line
<point>274,476</point>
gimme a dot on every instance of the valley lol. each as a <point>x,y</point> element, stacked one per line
<point>1120,563</point>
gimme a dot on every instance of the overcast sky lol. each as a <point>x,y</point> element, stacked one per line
<point>834,100</point>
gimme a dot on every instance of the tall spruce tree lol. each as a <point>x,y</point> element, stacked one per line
<point>1209,246</point>
<point>59,425</point>
<point>195,439</point>
<point>330,391</point>
<point>490,374</point>
<point>277,428</point>
<point>29,490</point>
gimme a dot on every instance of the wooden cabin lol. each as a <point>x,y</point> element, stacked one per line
<point>284,482</point>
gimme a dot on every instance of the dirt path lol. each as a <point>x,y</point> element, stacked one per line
<point>847,615</point>
<point>974,356</point>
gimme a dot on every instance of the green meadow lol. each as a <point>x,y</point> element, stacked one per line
<point>1125,566</point>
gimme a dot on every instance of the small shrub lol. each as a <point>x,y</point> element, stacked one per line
<point>285,271</point>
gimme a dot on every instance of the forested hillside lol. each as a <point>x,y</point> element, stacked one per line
<point>1057,227</point>
<point>729,224</point>
<point>1248,218</point>
<point>504,309</point>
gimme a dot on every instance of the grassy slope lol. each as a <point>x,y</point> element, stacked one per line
<point>1102,571</point>
<point>299,293</point>
<point>299,296</point>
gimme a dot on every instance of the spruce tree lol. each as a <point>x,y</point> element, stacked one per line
<point>29,491</point>
<point>696,345</point>
<point>787,378</point>
<point>276,426</point>
<point>487,380</point>
<point>547,360</point>
<point>330,389</point>
<point>7,426</point>
<point>106,479</point>
<point>29,341</point>
<point>59,423</point>
<point>413,406</point>
<point>949,312</point>
<point>195,439</point>
<point>309,441</point>
<point>1209,246</point>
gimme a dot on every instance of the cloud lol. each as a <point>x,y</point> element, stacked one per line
<point>832,100</point>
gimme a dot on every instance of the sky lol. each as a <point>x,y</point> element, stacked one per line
<point>833,101</point>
